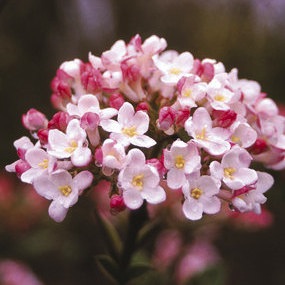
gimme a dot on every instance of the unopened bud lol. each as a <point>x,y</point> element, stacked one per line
<point>34,120</point>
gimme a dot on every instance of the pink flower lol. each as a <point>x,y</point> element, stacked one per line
<point>70,144</point>
<point>172,71</point>
<point>233,169</point>
<point>251,200</point>
<point>62,189</point>
<point>200,197</point>
<point>140,181</point>
<point>130,127</point>
<point>180,160</point>
<point>213,140</point>
<point>34,120</point>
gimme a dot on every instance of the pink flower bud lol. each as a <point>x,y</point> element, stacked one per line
<point>205,70</point>
<point>98,156</point>
<point>91,78</point>
<point>89,121</point>
<point>224,119</point>
<point>142,106</point>
<point>116,100</point>
<point>43,136</point>
<point>117,204</point>
<point>166,118</point>
<point>158,164</point>
<point>130,71</point>
<point>258,147</point>
<point>21,167</point>
<point>181,116</point>
<point>34,120</point>
<point>59,121</point>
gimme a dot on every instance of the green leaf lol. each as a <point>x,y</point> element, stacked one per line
<point>108,266</point>
<point>136,270</point>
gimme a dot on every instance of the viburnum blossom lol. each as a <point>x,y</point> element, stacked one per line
<point>140,181</point>
<point>146,119</point>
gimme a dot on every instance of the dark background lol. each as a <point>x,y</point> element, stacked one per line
<point>36,36</point>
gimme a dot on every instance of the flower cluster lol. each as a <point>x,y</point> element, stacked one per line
<point>146,119</point>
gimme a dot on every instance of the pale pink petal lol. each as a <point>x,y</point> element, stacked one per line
<point>35,156</point>
<point>126,112</point>
<point>61,177</point>
<point>192,209</point>
<point>211,205</point>
<point>142,141</point>
<point>141,121</point>
<point>81,156</point>
<point>88,103</point>
<point>175,178</point>
<point>132,198</point>
<point>45,187</point>
<point>57,212</point>
<point>83,180</point>
<point>154,195</point>
<point>264,182</point>
<point>108,113</point>
<point>184,61</point>
<point>57,140</point>
<point>31,174</point>
<point>110,126</point>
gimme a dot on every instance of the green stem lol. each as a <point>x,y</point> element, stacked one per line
<point>137,219</point>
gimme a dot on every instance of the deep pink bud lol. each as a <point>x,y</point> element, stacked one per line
<point>130,71</point>
<point>117,204</point>
<point>166,118</point>
<point>158,164</point>
<point>21,167</point>
<point>89,121</point>
<point>116,100</point>
<point>224,119</point>
<point>34,120</point>
<point>142,106</point>
<point>258,147</point>
<point>98,156</point>
<point>43,136</point>
<point>205,70</point>
<point>59,121</point>
<point>181,116</point>
<point>91,78</point>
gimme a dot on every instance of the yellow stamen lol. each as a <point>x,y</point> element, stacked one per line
<point>229,171</point>
<point>196,193</point>
<point>72,147</point>
<point>201,135</point>
<point>65,190</point>
<point>129,131</point>
<point>175,70</point>
<point>138,181</point>
<point>43,164</point>
<point>220,97</point>
<point>235,139</point>
<point>187,93</point>
<point>179,161</point>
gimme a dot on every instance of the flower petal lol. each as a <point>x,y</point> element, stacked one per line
<point>132,198</point>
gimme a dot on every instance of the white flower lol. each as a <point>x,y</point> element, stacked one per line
<point>173,70</point>
<point>70,144</point>
<point>181,159</point>
<point>130,127</point>
<point>200,197</point>
<point>140,181</point>
<point>62,189</point>
<point>251,200</point>
<point>233,169</point>
<point>213,140</point>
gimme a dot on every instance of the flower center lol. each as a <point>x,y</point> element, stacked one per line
<point>202,134</point>
<point>196,193</point>
<point>179,161</point>
<point>44,164</point>
<point>175,71</point>
<point>138,181</point>
<point>72,147</point>
<point>220,98</point>
<point>187,93</point>
<point>229,171</point>
<point>235,139</point>
<point>65,190</point>
<point>129,131</point>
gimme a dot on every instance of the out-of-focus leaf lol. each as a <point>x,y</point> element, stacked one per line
<point>108,267</point>
<point>137,269</point>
